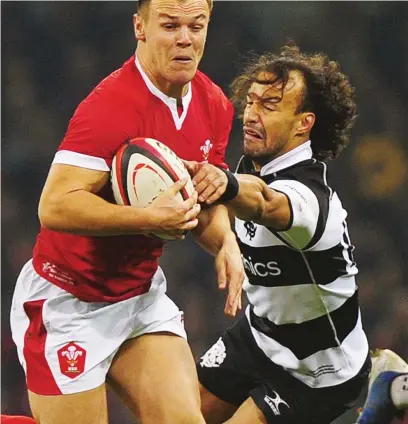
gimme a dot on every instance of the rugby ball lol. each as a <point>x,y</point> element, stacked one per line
<point>143,168</point>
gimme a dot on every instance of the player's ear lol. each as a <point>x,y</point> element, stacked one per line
<point>306,122</point>
<point>139,27</point>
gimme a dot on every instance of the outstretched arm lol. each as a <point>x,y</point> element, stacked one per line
<point>259,203</point>
<point>246,196</point>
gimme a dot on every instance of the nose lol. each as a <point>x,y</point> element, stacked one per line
<point>250,114</point>
<point>184,39</point>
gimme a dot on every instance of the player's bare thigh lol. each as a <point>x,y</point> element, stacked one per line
<point>215,410</point>
<point>248,412</point>
<point>89,407</point>
<point>155,375</point>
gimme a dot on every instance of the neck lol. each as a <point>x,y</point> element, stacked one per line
<point>177,91</point>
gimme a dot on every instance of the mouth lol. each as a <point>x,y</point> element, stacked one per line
<point>183,59</point>
<point>253,133</point>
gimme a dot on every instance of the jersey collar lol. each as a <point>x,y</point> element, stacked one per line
<point>171,102</point>
<point>298,154</point>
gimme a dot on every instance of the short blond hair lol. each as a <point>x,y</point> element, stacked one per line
<point>142,4</point>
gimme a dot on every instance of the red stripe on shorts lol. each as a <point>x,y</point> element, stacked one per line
<point>39,376</point>
<point>9,419</point>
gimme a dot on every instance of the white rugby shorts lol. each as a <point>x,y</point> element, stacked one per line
<point>66,345</point>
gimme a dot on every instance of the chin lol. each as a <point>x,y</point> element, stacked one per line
<point>258,156</point>
<point>253,153</point>
<point>181,77</point>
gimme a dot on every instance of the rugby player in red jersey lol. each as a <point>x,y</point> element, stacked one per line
<point>90,307</point>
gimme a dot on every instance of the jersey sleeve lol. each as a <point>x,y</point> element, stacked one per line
<point>223,118</point>
<point>304,212</point>
<point>94,134</point>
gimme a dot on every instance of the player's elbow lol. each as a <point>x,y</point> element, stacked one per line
<point>49,213</point>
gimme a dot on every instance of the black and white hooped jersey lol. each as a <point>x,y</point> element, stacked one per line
<point>304,312</point>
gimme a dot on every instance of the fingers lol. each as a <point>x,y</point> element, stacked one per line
<point>232,307</point>
<point>189,211</point>
<point>216,195</point>
<point>207,181</point>
<point>191,166</point>
<point>234,302</point>
<point>176,187</point>
<point>207,186</point>
<point>235,276</point>
<point>221,274</point>
<point>200,171</point>
<point>190,225</point>
<point>192,212</point>
<point>191,201</point>
<point>213,190</point>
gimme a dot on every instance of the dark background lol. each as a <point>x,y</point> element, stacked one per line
<point>54,53</point>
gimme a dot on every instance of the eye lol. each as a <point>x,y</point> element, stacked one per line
<point>269,106</point>
<point>197,27</point>
<point>169,26</point>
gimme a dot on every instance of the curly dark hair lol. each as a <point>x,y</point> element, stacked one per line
<point>328,94</point>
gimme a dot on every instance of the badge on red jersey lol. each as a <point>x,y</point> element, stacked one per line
<point>71,358</point>
<point>206,148</point>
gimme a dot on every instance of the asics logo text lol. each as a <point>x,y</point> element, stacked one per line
<point>261,269</point>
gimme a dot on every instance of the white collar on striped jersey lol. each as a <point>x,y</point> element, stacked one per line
<point>299,154</point>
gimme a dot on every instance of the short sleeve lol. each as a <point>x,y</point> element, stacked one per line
<point>224,115</point>
<point>94,134</point>
<point>304,210</point>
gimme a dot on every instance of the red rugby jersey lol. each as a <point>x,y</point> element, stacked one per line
<point>123,106</point>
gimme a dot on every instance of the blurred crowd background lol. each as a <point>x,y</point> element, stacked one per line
<point>54,53</point>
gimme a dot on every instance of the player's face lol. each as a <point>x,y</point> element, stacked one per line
<point>175,35</point>
<point>271,122</point>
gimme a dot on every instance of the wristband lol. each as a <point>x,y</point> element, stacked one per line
<point>232,186</point>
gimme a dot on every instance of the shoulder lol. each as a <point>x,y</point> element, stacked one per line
<point>307,181</point>
<point>113,105</point>
<point>115,94</point>
<point>312,173</point>
<point>212,92</point>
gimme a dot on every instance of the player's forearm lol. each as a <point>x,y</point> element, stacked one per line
<point>84,213</point>
<point>213,229</point>
<point>249,204</point>
<point>259,203</point>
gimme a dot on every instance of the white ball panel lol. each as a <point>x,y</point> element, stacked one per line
<point>174,161</point>
<point>147,182</point>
